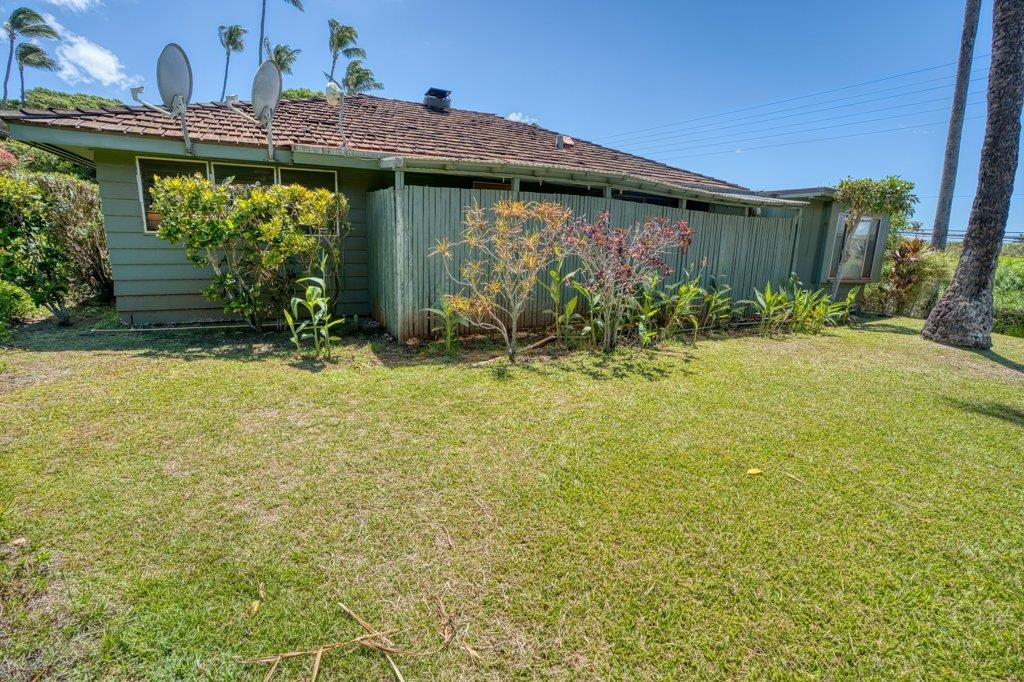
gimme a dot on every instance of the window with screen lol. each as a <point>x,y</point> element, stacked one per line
<point>311,179</point>
<point>862,249</point>
<point>151,169</point>
<point>243,175</point>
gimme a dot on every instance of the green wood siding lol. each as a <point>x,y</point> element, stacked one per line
<point>736,250</point>
<point>155,283</point>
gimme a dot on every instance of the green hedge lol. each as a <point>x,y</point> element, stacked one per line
<point>1009,321</point>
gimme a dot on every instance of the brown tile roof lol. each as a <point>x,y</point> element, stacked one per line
<point>376,124</point>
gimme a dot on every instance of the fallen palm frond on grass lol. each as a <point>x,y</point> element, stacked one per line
<point>372,639</point>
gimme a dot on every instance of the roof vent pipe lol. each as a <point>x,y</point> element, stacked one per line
<point>437,99</point>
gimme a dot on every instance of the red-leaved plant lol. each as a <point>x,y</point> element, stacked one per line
<point>616,261</point>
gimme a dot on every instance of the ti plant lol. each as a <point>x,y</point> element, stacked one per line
<point>314,311</point>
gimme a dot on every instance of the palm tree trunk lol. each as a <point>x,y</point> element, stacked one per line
<point>21,75</point>
<point>7,77</point>
<point>334,65</point>
<point>940,230</point>
<point>263,31</point>
<point>964,315</point>
<point>227,65</point>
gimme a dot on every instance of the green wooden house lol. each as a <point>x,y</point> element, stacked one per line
<point>408,170</point>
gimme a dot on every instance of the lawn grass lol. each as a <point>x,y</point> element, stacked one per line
<point>581,517</point>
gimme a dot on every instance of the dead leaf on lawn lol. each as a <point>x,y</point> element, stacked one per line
<point>754,472</point>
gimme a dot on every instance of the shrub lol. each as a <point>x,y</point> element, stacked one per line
<point>253,238</point>
<point>506,246</point>
<point>1008,287</point>
<point>32,253</point>
<point>616,261</point>
<point>451,319</point>
<point>15,304</point>
<point>1009,321</point>
<point>77,227</point>
<point>912,277</point>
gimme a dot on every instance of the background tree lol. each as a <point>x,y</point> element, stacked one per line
<point>301,93</point>
<point>342,41</point>
<point>281,54</point>
<point>33,57</point>
<point>297,4</point>
<point>28,23</point>
<point>232,39</point>
<point>940,231</point>
<point>963,316</point>
<point>891,196</point>
<point>358,79</point>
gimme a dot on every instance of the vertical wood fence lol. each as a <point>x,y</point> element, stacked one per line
<point>404,226</point>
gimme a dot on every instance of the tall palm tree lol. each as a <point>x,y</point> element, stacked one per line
<point>940,231</point>
<point>281,54</point>
<point>358,79</point>
<point>28,23</point>
<point>342,41</point>
<point>297,4</point>
<point>232,40</point>
<point>34,57</point>
<point>963,317</point>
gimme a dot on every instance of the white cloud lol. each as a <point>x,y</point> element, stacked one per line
<point>520,117</point>
<point>79,60</point>
<point>75,5</point>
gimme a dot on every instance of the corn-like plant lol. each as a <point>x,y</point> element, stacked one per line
<point>450,320</point>
<point>679,310</point>
<point>716,309</point>
<point>318,326</point>
<point>563,311</point>
<point>773,309</point>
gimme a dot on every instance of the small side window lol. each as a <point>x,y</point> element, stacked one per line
<point>150,170</point>
<point>862,249</point>
<point>310,179</point>
<point>243,175</point>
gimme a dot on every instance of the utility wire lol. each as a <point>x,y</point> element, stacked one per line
<point>719,141</point>
<point>820,139</point>
<point>652,148</point>
<point>791,99</point>
<point>815,111</point>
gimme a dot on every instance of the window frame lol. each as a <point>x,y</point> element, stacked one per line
<point>210,174</point>
<point>142,187</point>
<point>214,164</point>
<point>337,181</point>
<point>836,249</point>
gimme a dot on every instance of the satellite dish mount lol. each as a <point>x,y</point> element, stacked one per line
<point>266,96</point>
<point>174,80</point>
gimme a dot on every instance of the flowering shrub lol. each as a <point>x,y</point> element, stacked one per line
<point>506,246</point>
<point>248,236</point>
<point>32,255</point>
<point>615,262</point>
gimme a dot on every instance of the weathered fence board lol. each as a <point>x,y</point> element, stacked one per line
<point>404,226</point>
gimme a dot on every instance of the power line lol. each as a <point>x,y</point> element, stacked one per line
<point>820,139</point>
<point>815,111</point>
<point>790,99</point>
<point>807,130</point>
<point>649,149</point>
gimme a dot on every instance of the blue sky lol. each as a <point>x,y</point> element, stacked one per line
<point>632,75</point>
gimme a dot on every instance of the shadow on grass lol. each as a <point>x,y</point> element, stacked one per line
<point>95,330</point>
<point>878,325</point>
<point>999,359</point>
<point>990,408</point>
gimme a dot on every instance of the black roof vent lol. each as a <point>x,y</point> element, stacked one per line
<point>437,99</point>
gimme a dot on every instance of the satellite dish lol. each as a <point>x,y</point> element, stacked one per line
<point>174,78</point>
<point>266,92</point>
